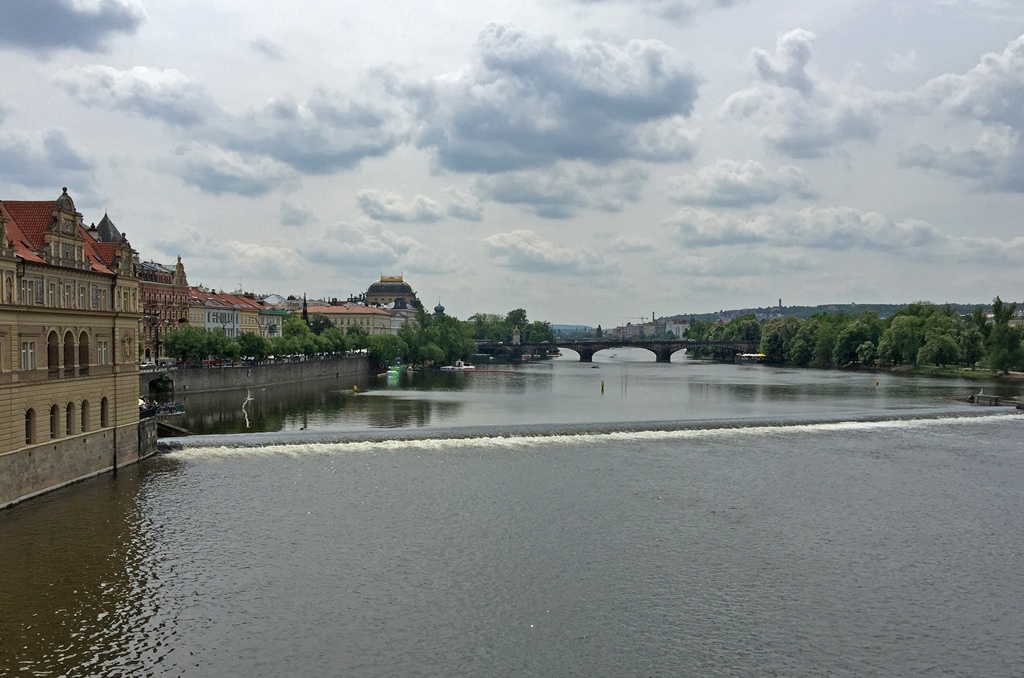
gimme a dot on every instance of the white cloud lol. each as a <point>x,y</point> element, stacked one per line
<point>632,244</point>
<point>364,245</point>
<point>164,94</point>
<point>35,160</point>
<point>216,171</point>
<point>990,94</point>
<point>799,115</point>
<point>672,10</point>
<point>267,48</point>
<point>729,183</point>
<point>329,132</point>
<point>462,205</point>
<point>528,101</point>
<point>832,228</point>
<point>524,250</point>
<point>387,206</point>
<point>902,63</point>
<point>565,189</point>
<point>49,25</point>
<point>293,215</point>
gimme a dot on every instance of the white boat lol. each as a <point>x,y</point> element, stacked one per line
<point>459,366</point>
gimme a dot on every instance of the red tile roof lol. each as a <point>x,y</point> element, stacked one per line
<point>349,309</point>
<point>33,216</point>
<point>28,221</point>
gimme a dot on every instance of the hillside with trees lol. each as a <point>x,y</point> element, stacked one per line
<point>921,333</point>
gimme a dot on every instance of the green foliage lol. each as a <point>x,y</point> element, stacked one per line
<point>867,327</point>
<point>1004,351</point>
<point>186,344</point>
<point>357,335</point>
<point>921,333</point>
<point>385,349</point>
<point>801,349</point>
<point>253,346</point>
<point>318,323</point>
<point>294,327</point>
<point>777,336</point>
<point>972,345</point>
<point>438,340</point>
<point>867,353</point>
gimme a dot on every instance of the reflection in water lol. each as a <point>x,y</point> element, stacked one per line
<point>854,548</point>
<point>72,579</point>
<point>566,391</point>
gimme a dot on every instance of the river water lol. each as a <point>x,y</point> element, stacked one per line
<point>692,520</point>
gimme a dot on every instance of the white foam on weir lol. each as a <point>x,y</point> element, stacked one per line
<point>514,443</point>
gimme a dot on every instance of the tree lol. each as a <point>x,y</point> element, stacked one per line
<point>217,343</point>
<point>515,318</point>
<point>777,336</point>
<point>972,345</point>
<point>318,322</point>
<point>357,335</point>
<point>333,341</point>
<point>866,353</point>
<point>294,326</point>
<point>801,349</point>
<point>538,331</point>
<point>384,349</point>
<point>940,348</point>
<point>1003,346</point>
<point>186,344</point>
<point>253,346</point>
<point>865,328</point>
<point>902,340</point>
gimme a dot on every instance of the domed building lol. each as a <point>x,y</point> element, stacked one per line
<point>392,291</point>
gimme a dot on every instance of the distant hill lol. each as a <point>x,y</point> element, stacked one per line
<point>569,329</point>
<point>883,310</point>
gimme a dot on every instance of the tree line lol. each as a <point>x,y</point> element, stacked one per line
<point>919,334</point>
<point>430,340</point>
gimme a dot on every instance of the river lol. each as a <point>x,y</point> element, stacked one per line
<point>692,519</point>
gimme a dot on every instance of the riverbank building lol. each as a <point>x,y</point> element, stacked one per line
<point>69,322</point>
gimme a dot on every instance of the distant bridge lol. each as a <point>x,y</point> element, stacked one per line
<point>661,348</point>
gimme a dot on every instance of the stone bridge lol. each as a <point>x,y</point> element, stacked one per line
<point>661,348</point>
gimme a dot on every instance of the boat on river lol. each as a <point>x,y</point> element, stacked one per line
<point>459,366</point>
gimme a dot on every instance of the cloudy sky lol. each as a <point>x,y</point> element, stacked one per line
<point>591,161</point>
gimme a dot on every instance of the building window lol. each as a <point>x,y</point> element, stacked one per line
<point>69,419</point>
<point>102,352</point>
<point>28,355</point>
<point>85,416</point>
<point>30,426</point>
<point>54,421</point>
<point>104,413</point>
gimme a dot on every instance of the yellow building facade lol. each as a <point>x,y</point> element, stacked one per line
<point>69,322</point>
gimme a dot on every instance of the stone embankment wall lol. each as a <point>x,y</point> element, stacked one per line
<point>47,466</point>
<point>193,380</point>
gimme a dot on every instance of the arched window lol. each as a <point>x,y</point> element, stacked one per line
<point>53,355</point>
<point>69,419</point>
<point>30,426</point>
<point>54,421</point>
<point>85,416</point>
<point>104,414</point>
<point>83,354</point>
<point>69,354</point>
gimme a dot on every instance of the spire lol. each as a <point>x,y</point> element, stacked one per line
<point>305,309</point>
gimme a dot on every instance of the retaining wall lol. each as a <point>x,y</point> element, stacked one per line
<point>47,466</point>
<point>197,380</point>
